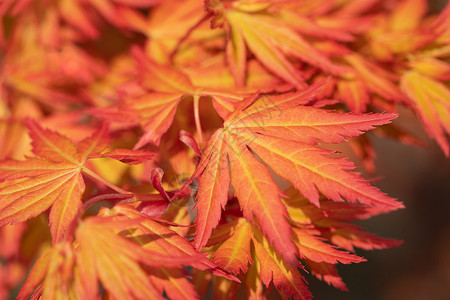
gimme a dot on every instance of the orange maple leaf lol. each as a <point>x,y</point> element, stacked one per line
<point>52,178</point>
<point>406,34</point>
<point>272,36</point>
<point>154,107</point>
<point>240,248</point>
<point>99,254</point>
<point>316,231</point>
<point>431,102</point>
<point>166,241</point>
<point>54,269</point>
<point>331,221</point>
<point>283,136</point>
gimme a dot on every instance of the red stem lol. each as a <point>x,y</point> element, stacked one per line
<point>198,124</point>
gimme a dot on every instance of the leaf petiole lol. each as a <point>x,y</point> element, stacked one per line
<point>198,124</point>
<point>105,197</point>
<point>108,184</point>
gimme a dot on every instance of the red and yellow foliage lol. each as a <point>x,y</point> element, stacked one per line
<point>154,149</point>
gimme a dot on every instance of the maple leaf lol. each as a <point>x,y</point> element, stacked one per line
<point>283,136</point>
<point>431,103</point>
<point>169,23</point>
<point>425,82</point>
<point>55,73</point>
<point>233,239</point>
<point>241,248</point>
<point>367,78</point>
<point>51,178</point>
<point>155,106</point>
<point>99,255</point>
<point>272,36</point>
<point>425,77</point>
<point>154,236</point>
<point>37,83</point>
<point>400,30</point>
<point>230,247</point>
<point>169,242</point>
<point>113,255</point>
<point>400,34</point>
<point>54,269</point>
<point>331,221</point>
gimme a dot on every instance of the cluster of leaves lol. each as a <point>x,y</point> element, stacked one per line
<point>163,148</point>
